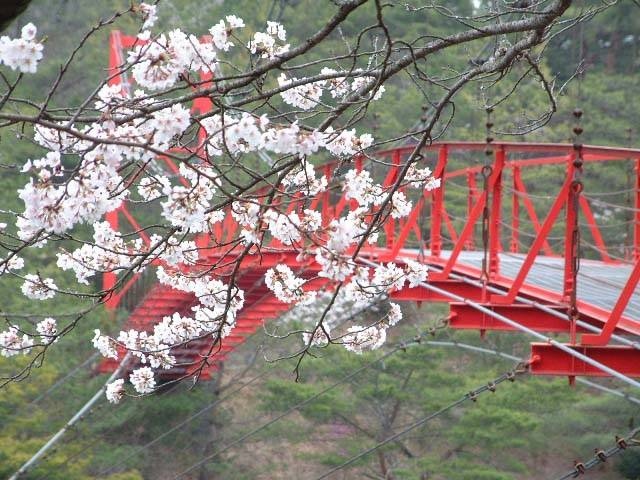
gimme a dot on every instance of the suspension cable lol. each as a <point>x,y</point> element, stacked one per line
<point>77,435</point>
<point>597,201</point>
<point>601,456</point>
<point>57,384</point>
<point>498,353</point>
<point>487,171</point>
<point>180,425</point>
<point>402,346</point>
<point>520,368</point>
<point>76,418</point>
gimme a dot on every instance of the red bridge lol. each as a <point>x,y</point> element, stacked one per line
<point>502,257</point>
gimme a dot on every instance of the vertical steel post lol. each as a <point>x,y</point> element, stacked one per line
<point>115,57</point>
<point>515,212</point>
<point>437,204</point>
<point>495,215</point>
<point>571,220</point>
<point>471,200</point>
<point>109,279</point>
<point>390,226</point>
<point>636,213</point>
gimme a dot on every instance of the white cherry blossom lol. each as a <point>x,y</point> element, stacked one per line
<point>220,35</point>
<point>149,15</point>
<point>168,123</point>
<point>11,343</point>
<point>416,272</point>
<point>319,339</point>
<point>38,288</point>
<point>115,391</point>
<point>143,380</point>
<point>395,314</point>
<point>11,263</point>
<point>151,188</point>
<point>400,206</point>
<point>360,339</point>
<point>304,96</point>
<point>47,328</point>
<point>22,53</point>
<point>284,284</point>
<point>105,345</point>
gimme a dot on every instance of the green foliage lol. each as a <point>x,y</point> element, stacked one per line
<point>629,465</point>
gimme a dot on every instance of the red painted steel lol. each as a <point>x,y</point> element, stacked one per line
<point>514,246</point>
<point>466,317</point>
<point>472,198</point>
<point>636,214</point>
<point>560,201</point>
<point>548,360</point>
<point>496,213</point>
<point>570,230</point>
<point>616,314</point>
<point>438,204</point>
<point>404,239</point>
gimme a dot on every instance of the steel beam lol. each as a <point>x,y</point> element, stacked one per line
<point>549,360</point>
<point>465,317</point>
<point>421,294</point>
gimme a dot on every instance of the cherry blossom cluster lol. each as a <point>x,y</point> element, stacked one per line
<point>303,178</point>
<point>386,278</point>
<point>286,286</point>
<point>37,288</point>
<point>119,157</point>
<point>12,263</point>
<point>265,44</point>
<point>108,252</point>
<point>214,317</point>
<point>22,54</point>
<point>306,94</point>
<point>160,61</point>
<point>421,178</point>
<point>222,31</point>
<point>234,135</point>
<point>54,204</point>
<point>13,341</point>
<point>287,228</point>
<point>142,379</point>
<point>362,290</point>
<point>189,206</point>
<point>149,14</point>
<point>360,339</point>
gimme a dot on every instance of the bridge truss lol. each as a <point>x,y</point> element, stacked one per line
<point>502,255</point>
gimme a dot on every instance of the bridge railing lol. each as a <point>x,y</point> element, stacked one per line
<point>513,207</point>
<point>494,210</point>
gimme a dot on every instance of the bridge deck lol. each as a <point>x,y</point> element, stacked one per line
<point>599,283</point>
